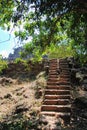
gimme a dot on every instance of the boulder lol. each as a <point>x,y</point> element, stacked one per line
<point>20,108</point>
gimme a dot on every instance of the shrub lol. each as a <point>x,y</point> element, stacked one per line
<point>3,65</point>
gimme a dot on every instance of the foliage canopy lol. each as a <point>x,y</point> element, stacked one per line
<point>51,24</point>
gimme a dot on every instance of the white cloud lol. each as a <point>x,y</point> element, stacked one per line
<point>4,53</point>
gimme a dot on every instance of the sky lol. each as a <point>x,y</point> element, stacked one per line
<point>7,43</point>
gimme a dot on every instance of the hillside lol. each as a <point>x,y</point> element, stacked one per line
<point>22,94</point>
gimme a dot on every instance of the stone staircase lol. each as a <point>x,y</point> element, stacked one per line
<point>57,93</point>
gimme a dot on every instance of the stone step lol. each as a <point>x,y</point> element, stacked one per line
<point>57,97</point>
<point>65,76</point>
<point>53,64</point>
<point>52,68</point>
<point>64,73</point>
<point>63,62</point>
<point>58,79</point>
<point>55,108</point>
<point>56,102</point>
<point>52,83</point>
<point>53,61</point>
<point>65,70</point>
<point>58,83</point>
<point>52,80</point>
<point>63,83</point>
<point>58,87</point>
<point>62,80</point>
<point>64,65</point>
<point>58,114</point>
<point>57,92</point>
<point>52,71</point>
<point>57,76</point>
<point>53,76</point>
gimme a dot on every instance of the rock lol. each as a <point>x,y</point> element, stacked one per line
<point>41,82</point>
<point>20,108</point>
<point>43,119</point>
<point>81,102</point>
<point>41,74</point>
<point>84,81</point>
<point>70,61</point>
<point>79,75</point>
<point>6,81</point>
<point>8,96</point>
<point>84,87</point>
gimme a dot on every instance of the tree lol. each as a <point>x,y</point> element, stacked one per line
<point>47,21</point>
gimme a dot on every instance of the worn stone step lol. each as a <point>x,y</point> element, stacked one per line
<point>55,108</point>
<point>65,76</point>
<point>56,102</point>
<point>58,83</point>
<point>57,97</point>
<point>52,68</point>
<point>63,65</point>
<point>53,61</point>
<point>62,80</point>
<point>65,69</point>
<point>58,114</point>
<point>58,87</point>
<point>57,92</point>
<point>53,76</point>
<point>65,72</point>
<point>53,64</point>
<point>62,60</point>
<point>52,80</point>
<point>63,83</point>
<point>52,83</point>
<point>52,71</point>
